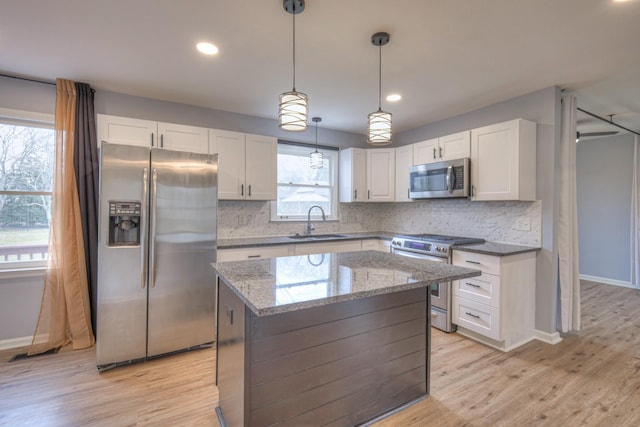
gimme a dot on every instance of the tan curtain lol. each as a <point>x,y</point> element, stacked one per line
<point>65,309</point>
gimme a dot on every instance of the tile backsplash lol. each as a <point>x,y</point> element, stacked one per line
<point>509,222</point>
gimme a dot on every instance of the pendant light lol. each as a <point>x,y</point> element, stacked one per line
<point>294,106</point>
<point>379,131</point>
<point>315,160</point>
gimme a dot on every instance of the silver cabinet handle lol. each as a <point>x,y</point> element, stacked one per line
<point>242,189</point>
<point>473,190</point>
<point>472,262</point>
<point>408,192</point>
<point>472,284</point>
<point>249,190</point>
<point>229,312</point>
<point>440,151</point>
<point>161,141</point>
<point>472,315</point>
<point>434,153</point>
<point>254,256</point>
<point>152,140</point>
<point>152,238</point>
<point>144,251</point>
<point>368,194</point>
<point>355,194</point>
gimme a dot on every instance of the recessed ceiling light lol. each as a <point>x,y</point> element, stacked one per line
<point>394,97</point>
<point>207,48</point>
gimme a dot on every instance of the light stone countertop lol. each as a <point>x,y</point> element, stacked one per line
<point>246,242</point>
<point>284,284</point>
<point>497,249</point>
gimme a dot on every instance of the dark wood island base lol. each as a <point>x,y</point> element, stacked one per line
<point>341,364</point>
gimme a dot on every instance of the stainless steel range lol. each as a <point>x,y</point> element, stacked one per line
<point>436,248</point>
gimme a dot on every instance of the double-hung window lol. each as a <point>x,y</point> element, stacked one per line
<point>27,156</point>
<point>300,186</point>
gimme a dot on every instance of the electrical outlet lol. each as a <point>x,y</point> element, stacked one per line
<point>523,224</point>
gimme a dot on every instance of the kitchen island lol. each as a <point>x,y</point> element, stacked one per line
<point>325,339</point>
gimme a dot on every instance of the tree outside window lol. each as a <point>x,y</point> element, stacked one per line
<point>27,159</point>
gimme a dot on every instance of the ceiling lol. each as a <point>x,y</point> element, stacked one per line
<point>444,57</point>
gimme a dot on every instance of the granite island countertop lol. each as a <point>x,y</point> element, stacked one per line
<point>284,284</point>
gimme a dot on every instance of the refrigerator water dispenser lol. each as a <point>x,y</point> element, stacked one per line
<point>124,221</point>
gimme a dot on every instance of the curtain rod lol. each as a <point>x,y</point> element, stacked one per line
<point>610,121</point>
<point>28,79</point>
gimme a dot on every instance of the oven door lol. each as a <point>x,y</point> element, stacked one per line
<point>440,306</point>
<point>439,291</point>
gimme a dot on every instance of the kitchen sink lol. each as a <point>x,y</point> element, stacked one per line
<point>316,236</point>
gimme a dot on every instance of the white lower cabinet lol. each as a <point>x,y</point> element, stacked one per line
<point>376,245</point>
<point>497,307</point>
<point>241,254</point>
<point>327,247</point>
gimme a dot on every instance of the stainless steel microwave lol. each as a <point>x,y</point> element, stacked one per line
<point>440,180</point>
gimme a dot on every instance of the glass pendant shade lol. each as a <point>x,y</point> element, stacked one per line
<point>379,128</point>
<point>315,160</point>
<point>293,111</point>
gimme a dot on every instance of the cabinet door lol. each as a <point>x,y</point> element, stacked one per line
<point>183,138</point>
<point>404,161</point>
<point>230,149</point>
<point>261,167</point>
<point>327,247</point>
<point>426,152</point>
<point>494,162</point>
<point>381,175</point>
<point>126,131</point>
<point>503,160</point>
<point>456,146</point>
<point>353,175</point>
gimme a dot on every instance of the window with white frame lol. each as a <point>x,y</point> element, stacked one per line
<point>27,156</point>
<point>300,187</point>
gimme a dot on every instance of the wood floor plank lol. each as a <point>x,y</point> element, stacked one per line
<point>591,378</point>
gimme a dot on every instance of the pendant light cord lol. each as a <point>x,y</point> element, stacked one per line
<point>380,79</point>
<point>294,45</point>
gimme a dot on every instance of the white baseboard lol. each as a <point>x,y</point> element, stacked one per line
<point>553,338</point>
<point>15,342</point>
<point>607,281</point>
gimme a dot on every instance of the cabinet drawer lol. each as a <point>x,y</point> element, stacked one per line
<point>486,263</point>
<point>484,289</point>
<point>241,254</point>
<point>327,247</point>
<point>477,317</point>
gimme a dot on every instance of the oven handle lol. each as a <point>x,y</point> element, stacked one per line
<point>410,254</point>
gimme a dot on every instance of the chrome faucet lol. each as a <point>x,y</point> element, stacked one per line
<point>310,226</point>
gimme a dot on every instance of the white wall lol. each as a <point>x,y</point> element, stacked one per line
<point>604,174</point>
<point>19,307</point>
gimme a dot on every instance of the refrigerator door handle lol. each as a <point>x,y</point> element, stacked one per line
<point>152,237</point>
<point>143,226</point>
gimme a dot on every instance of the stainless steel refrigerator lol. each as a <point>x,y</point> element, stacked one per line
<point>157,238</point>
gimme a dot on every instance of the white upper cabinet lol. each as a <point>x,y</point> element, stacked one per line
<point>352,175</point>
<point>126,131</point>
<point>183,138</point>
<point>456,146</point>
<point>450,147</point>
<point>381,175</point>
<point>404,161</point>
<point>503,161</point>
<point>145,133</point>
<point>261,167</point>
<point>246,165</point>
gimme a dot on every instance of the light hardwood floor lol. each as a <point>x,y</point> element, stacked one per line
<point>591,378</point>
